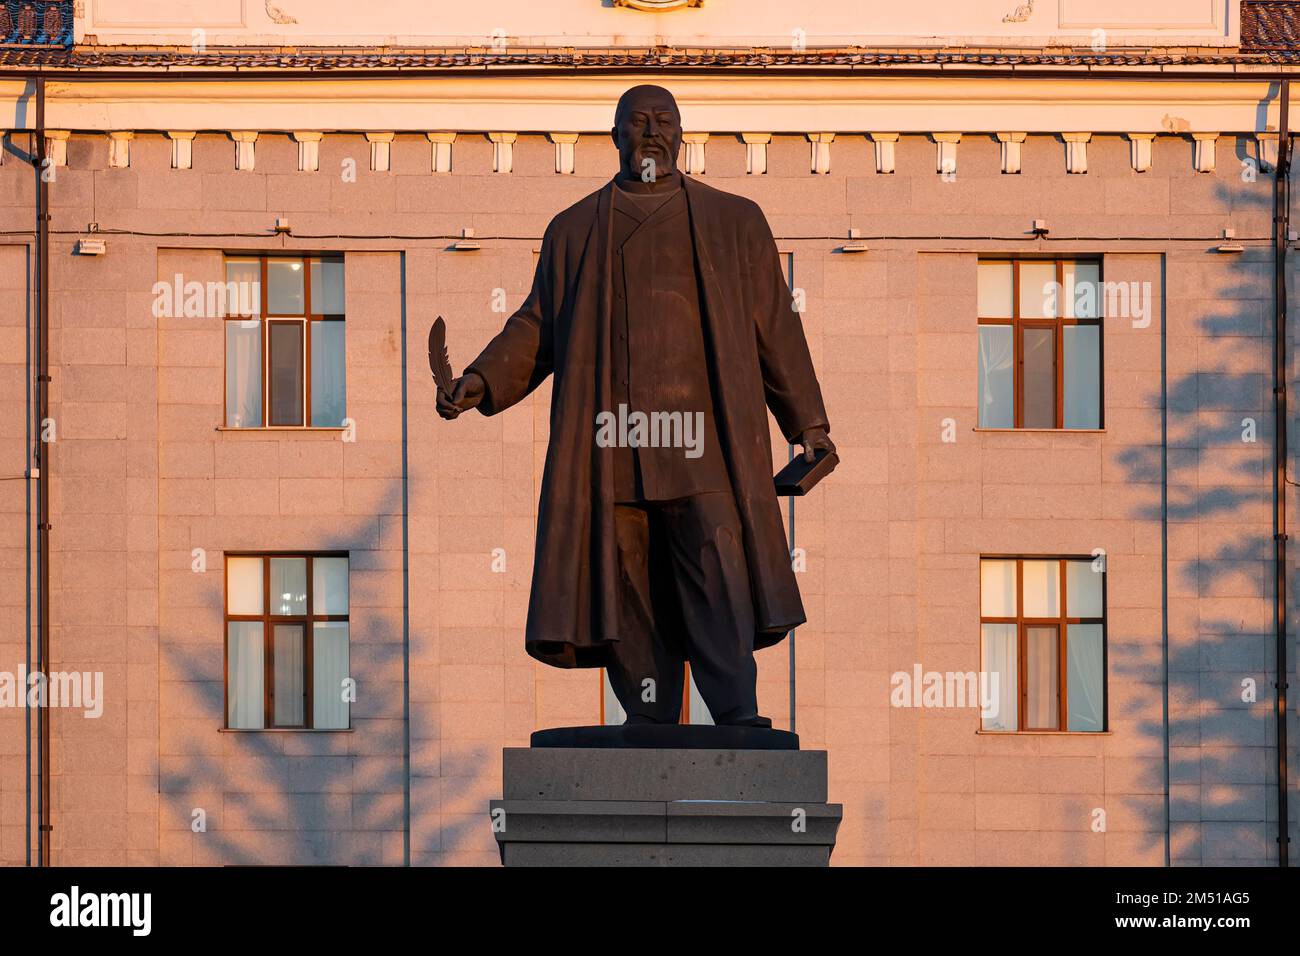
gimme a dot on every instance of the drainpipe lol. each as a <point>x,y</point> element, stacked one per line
<point>1281,219</point>
<point>43,470</point>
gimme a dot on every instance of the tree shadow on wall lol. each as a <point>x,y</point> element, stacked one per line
<point>314,798</point>
<point>1218,503</point>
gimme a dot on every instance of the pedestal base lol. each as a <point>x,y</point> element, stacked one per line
<point>664,806</point>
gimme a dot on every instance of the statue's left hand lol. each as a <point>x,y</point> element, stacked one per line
<point>815,440</point>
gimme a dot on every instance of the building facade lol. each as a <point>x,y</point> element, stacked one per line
<point>1033,248</point>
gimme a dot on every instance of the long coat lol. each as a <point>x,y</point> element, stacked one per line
<point>758,359</point>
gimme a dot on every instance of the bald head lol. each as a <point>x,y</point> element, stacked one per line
<point>648,133</point>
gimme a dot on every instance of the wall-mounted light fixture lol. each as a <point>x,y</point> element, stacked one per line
<point>1228,245</point>
<point>466,242</point>
<point>855,243</point>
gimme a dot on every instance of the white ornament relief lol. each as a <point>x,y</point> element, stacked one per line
<point>441,156</point>
<point>1021,13</point>
<point>503,151</point>
<point>884,145</point>
<point>1076,152</point>
<point>1011,143</point>
<point>1204,155</point>
<point>1139,151</point>
<point>693,149</point>
<point>565,152</point>
<point>756,152</point>
<point>821,152</point>
<point>182,148</point>
<point>276,14</point>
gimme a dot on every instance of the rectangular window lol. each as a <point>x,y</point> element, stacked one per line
<point>1040,357</point>
<point>694,710</point>
<point>287,642</point>
<point>285,360</point>
<point>1043,643</point>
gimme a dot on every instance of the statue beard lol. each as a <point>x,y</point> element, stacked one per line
<point>657,152</point>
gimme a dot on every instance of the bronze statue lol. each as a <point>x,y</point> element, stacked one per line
<point>660,307</point>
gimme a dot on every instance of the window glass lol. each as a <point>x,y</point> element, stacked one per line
<point>285,373</point>
<point>699,710</point>
<point>1042,588</point>
<point>997,588</point>
<point>1082,384</point>
<point>327,286</point>
<point>1037,290</point>
<point>327,374</point>
<point>996,383</point>
<point>1083,588</point>
<point>244,585</point>
<point>243,374</point>
<point>1042,676</point>
<point>288,586</point>
<point>1039,362</point>
<point>243,287</point>
<point>995,285</point>
<point>1085,677</point>
<point>289,671</point>
<point>284,287</point>
<point>1000,677</point>
<point>1081,282</point>
<point>613,710</point>
<point>329,653</point>
<point>245,667</point>
<point>330,585</point>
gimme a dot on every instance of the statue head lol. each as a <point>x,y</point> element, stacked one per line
<point>648,132</point>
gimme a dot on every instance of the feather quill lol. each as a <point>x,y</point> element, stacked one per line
<point>439,362</point>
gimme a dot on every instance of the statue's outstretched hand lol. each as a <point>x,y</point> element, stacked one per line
<point>813,441</point>
<point>466,392</point>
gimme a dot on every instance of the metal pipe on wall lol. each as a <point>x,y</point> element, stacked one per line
<point>1281,221</point>
<point>42,456</point>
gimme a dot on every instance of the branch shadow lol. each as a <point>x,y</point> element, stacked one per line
<point>1222,771</point>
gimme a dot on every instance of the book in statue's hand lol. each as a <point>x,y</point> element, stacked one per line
<point>799,477</point>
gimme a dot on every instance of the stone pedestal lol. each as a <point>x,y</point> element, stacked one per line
<point>642,804</point>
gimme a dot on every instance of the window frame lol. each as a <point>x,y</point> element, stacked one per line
<point>264,320</point>
<point>268,622</point>
<point>1061,623</point>
<point>1019,323</point>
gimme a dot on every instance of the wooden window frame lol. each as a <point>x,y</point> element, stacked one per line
<point>268,622</point>
<point>1061,622</point>
<point>265,319</point>
<point>1019,323</point>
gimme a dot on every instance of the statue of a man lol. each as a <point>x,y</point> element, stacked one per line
<point>660,307</point>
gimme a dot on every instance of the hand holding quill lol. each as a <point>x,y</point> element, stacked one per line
<point>453,395</point>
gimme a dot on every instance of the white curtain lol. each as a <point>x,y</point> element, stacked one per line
<point>1085,677</point>
<point>243,374</point>
<point>995,383</point>
<point>244,691</point>
<point>330,707</point>
<point>699,710</point>
<point>1042,673</point>
<point>329,578</point>
<point>614,712</point>
<point>328,374</point>
<point>999,676</point>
